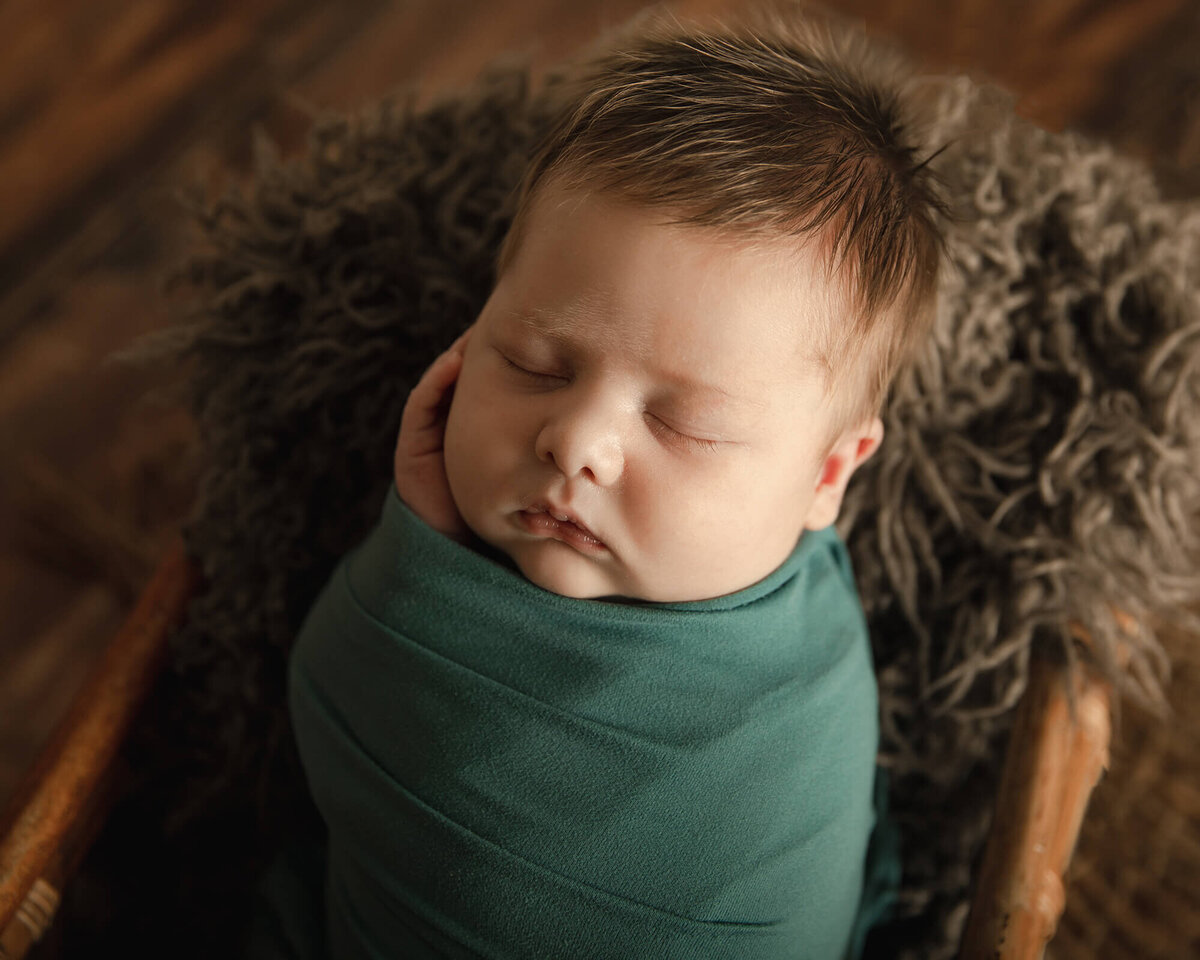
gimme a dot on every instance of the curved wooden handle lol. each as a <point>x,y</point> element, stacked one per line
<point>54,805</point>
<point>1055,758</point>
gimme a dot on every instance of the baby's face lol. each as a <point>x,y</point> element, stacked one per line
<point>638,413</point>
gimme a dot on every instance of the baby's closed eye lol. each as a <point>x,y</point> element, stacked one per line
<point>678,436</point>
<point>533,371</point>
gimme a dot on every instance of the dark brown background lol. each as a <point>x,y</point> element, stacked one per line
<point>106,106</point>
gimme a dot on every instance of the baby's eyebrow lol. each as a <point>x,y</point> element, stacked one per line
<point>558,324</point>
<point>702,390</point>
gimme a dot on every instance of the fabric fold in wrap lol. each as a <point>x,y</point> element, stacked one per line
<point>507,773</point>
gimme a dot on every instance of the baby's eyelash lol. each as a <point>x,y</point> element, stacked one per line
<point>532,374</point>
<point>671,435</point>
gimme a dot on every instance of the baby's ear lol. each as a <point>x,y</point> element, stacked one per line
<point>851,450</point>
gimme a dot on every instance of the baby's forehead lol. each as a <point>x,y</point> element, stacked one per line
<point>582,314</point>
<point>576,246</point>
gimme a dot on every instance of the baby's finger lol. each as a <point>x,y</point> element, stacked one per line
<point>426,404</point>
<point>445,369</point>
<point>441,373</point>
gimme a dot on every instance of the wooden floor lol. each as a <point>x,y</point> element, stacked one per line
<point>106,106</point>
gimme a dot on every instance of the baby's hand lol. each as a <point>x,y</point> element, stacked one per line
<point>420,465</point>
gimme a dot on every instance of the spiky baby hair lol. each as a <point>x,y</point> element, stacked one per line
<point>782,125</point>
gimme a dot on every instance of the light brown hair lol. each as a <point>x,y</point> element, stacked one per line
<point>781,126</point>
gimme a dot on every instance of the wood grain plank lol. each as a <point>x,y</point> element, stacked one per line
<point>1053,54</point>
<point>441,46</point>
<point>73,223</point>
<point>104,109</point>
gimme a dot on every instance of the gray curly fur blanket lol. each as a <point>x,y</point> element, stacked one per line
<point>1040,468</point>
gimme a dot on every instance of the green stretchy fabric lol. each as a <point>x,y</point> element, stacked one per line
<point>506,773</point>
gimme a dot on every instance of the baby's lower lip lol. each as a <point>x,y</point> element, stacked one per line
<point>543,524</point>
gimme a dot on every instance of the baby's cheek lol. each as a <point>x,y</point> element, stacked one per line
<point>669,522</point>
<point>477,459</point>
<point>708,539</point>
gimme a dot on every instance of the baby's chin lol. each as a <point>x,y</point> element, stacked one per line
<point>559,568</point>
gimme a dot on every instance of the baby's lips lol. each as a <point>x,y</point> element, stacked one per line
<point>571,525</point>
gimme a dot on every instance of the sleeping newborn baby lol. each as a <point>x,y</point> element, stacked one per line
<point>599,684</point>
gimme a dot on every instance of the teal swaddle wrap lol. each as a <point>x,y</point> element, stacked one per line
<point>507,773</point>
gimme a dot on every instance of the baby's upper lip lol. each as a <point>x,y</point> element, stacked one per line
<point>561,513</point>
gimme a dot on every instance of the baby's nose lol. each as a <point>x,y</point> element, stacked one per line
<point>583,443</point>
